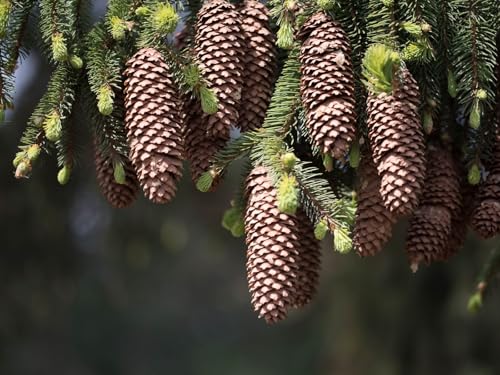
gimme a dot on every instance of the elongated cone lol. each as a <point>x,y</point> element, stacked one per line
<point>309,261</point>
<point>200,148</point>
<point>154,124</point>
<point>374,222</point>
<point>260,64</point>
<point>430,231</point>
<point>220,47</point>
<point>118,195</point>
<point>272,250</point>
<point>486,208</point>
<point>283,256</point>
<point>397,141</point>
<point>327,85</point>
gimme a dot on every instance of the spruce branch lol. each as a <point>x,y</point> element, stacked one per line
<point>486,279</point>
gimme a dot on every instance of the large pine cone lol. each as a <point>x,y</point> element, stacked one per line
<point>220,47</point>
<point>397,142</point>
<point>260,64</point>
<point>283,256</point>
<point>327,85</point>
<point>440,205</point>
<point>428,235</point>
<point>154,124</point>
<point>374,222</point>
<point>118,195</point>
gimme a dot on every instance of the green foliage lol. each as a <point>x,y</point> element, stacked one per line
<point>288,194</point>
<point>161,19</point>
<point>379,64</point>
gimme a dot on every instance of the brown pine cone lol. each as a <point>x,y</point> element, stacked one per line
<point>220,47</point>
<point>428,235</point>
<point>327,85</point>
<point>154,124</point>
<point>199,147</point>
<point>374,222</point>
<point>309,261</point>
<point>442,182</point>
<point>260,64</point>
<point>397,141</point>
<point>118,195</point>
<point>273,250</point>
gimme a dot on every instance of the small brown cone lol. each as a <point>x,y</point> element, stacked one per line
<point>200,148</point>
<point>430,236</point>
<point>309,261</point>
<point>327,85</point>
<point>154,124</point>
<point>118,195</point>
<point>374,222</point>
<point>220,47</point>
<point>397,141</point>
<point>486,209</point>
<point>260,64</point>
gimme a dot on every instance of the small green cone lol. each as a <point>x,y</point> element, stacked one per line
<point>76,62</point>
<point>475,116</point>
<point>53,126</point>
<point>474,175</point>
<point>64,174</point>
<point>204,183</point>
<point>105,100</point>
<point>288,160</point>
<point>475,303</point>
<point>320,230</point>
<point>288,195</point>
<point>119,173</point>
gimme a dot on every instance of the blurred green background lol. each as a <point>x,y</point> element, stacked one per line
<point>87,289</point>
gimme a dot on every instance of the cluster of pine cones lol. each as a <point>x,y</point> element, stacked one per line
<point>399,175</point>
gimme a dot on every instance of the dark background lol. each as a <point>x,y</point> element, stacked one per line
<point>86,289</point>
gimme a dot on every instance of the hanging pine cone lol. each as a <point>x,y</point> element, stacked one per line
<point>118,195</point>
<point>260,64</point>
<point>220,47</point>
<point>272,254</point>
<point>199,147</point>
<point>327,85</point>
<point>374,222</point>
<point>283,256</point>
<point>153,122</point>
<point>397,142</point>
<point>309,261</point>
<point>429,233</point>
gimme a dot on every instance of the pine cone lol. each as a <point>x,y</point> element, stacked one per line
<point>199,147</point>
<point>153,123</point>
<point>486,208</point>
<point>272,255</point>
<point>440,207</point>
<point>260,65</point>
<point>118,195</point>
<point>397,142</point>
<point>327,85</point>
<point>309,261</point>
<point>428,235</point>
<point>220,47</point>
<point>442,183</point>
<point>373,225</point>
